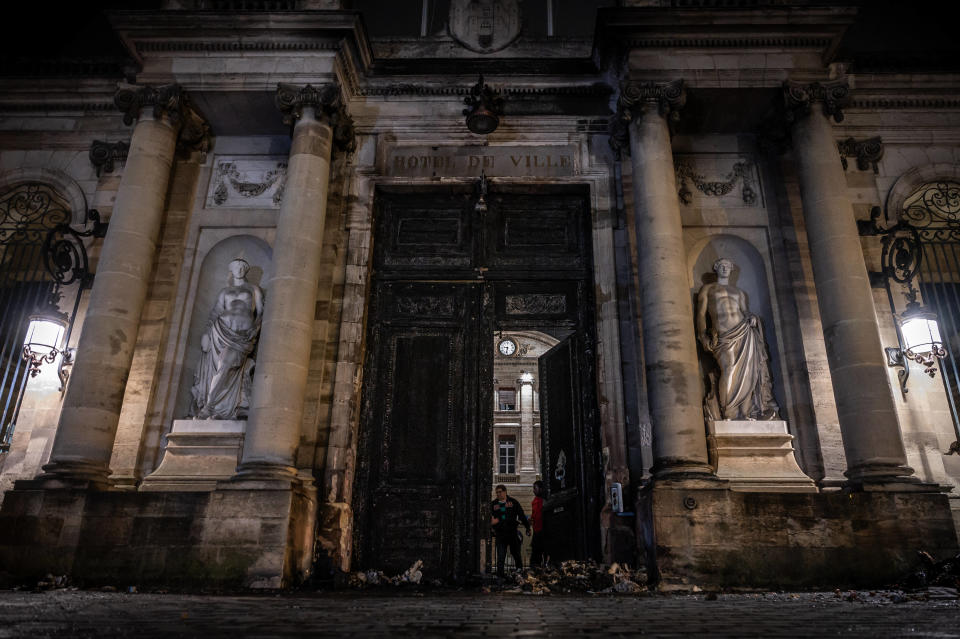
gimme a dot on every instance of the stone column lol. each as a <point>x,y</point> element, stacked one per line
<point>868,419</point>
<point>283,358</point>
<point>91,408</point>
<point>669,339</point>
<point>525,390</point>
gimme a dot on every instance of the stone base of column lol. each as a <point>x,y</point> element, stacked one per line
<point>881,476</point>
<point>261,475</point>
<point>74,475</point>
<point>727,538</point>
<point>258,539</point>
<point>685,471</point>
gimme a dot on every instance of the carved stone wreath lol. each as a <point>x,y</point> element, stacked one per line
<point>232,178</point>
<point>741,172</point>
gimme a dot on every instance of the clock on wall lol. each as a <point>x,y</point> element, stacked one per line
<point>507,347</point>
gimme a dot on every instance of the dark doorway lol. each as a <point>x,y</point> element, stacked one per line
<point>447,277</point>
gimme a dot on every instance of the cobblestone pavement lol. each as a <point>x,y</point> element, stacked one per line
<point>65,613</point>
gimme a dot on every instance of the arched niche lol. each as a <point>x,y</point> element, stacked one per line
<point>214,275</point>
<point>750,275</point>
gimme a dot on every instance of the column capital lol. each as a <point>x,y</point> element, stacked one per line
<point>800,96</point>
<point>636,98</point>
<point>327,105</point>
<point>168,101</point>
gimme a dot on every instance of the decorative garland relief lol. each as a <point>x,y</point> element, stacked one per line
<point>741,172</point>
<point>247,182</point>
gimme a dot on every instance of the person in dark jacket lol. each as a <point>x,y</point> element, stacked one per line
<point>505,515</point>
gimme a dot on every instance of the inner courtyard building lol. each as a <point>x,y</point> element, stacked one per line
<point>287,288</point>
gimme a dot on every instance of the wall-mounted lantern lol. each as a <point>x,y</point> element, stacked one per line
<point>920,341</point>
<point>44,341</point>
<point>48,334</point>
<point>918,332</point>
<point>484,108</point>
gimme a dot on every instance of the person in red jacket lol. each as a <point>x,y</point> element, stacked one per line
<point>538,550</point>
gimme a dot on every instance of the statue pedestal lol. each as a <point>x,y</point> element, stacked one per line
<point>199,453</point>
<point>757,456</point>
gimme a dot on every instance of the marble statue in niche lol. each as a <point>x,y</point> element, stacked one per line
<point>224,376</point>
<point>734,336</point>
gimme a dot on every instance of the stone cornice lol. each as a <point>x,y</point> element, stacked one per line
<point>759,26</point>
<point>742,42</point>
<point>160,32</point>
<point>32,106</point>
<point>593,90</point>
<point>900,101</point>
<point>327,104</point>
<point>235,45</point>
<point>67,68</point>
<point>799,98</point>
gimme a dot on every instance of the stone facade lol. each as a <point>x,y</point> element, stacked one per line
<point>764,133</point>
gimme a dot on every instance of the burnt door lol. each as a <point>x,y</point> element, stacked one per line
<point>417,452</point>
<point>446,278</point>
<point>566,454</point>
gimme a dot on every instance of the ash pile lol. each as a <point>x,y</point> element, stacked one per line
<point>372,578</point>
<point>940,578</point>
<point>576,577</point>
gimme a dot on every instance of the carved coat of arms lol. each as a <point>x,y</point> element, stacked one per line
<point>484,26</point>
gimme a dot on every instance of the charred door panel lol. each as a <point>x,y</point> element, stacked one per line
<point>423,234</point>
<point>539,233</point>
<point>418,428</point>
<point>538,304</point>
<point>568,454</point>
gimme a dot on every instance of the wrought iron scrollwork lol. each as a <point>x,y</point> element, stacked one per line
<point>902,255</point>
<point>65,256</point>
<point>935,210</point>
<point>27,213</point>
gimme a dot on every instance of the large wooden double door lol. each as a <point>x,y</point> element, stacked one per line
<point>446,278</point>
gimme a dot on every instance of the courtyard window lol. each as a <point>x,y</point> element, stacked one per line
<point>507,399</point>
<point>508,456</point>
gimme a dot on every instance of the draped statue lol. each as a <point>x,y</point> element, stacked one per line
<point>735,339</point>
<point>224,377</point>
